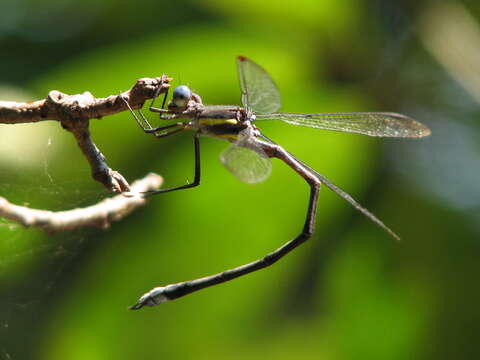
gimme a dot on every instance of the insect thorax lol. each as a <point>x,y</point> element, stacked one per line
<point>223,122</point>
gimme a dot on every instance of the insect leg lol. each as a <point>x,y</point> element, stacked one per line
<point>171,132</point>
<point>140,119</point>
<point>162,294</point>
<point>155,96</point>
<point>196,180</point>
<point>158,110</point>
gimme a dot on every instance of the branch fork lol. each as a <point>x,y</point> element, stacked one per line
<point>74,113</point>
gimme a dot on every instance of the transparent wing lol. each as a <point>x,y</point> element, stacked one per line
<point>247,165</point>
<point>366,123</point>
<point>246,160</point>
<point>259,92</point>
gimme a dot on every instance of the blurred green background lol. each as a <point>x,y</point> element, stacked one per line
<point>351,292</point>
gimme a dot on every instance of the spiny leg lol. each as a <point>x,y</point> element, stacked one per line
<point>155,96</point>
<point>170,292</point>
<point>168,133</point>
<point>137,119</point>
<point>160,110</point>
<point>140,113</point>
<point>141,118</point>
<point>196,180</point>
<point>160,128</point>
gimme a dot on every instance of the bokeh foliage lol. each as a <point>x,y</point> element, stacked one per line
<point>350,293</point>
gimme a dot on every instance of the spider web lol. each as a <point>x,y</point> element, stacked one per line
<point>35,267</point>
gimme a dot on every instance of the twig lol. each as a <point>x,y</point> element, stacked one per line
<point>68,108</point>
<point>99,215</point>
<point>74,113</point>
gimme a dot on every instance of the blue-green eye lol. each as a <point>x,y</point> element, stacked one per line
<point>181,95</point>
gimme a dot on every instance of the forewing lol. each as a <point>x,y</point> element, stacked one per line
<point>259,92</point>
<point>366,123</point>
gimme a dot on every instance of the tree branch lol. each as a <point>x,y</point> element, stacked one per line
<point>99,215</point>
<point>74,112</point>
<point>78,107</point>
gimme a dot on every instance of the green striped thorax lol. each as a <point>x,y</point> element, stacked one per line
<point>224,122</point>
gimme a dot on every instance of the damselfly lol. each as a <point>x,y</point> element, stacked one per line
<point>248,156</point>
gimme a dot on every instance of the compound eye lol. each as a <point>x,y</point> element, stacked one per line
<point>181,95</point>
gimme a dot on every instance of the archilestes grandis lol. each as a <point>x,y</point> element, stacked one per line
<point>248,155</point>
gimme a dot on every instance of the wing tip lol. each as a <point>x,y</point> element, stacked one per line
<point>422,129</point>
<point>241,58</point>
<point>426,131</point>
